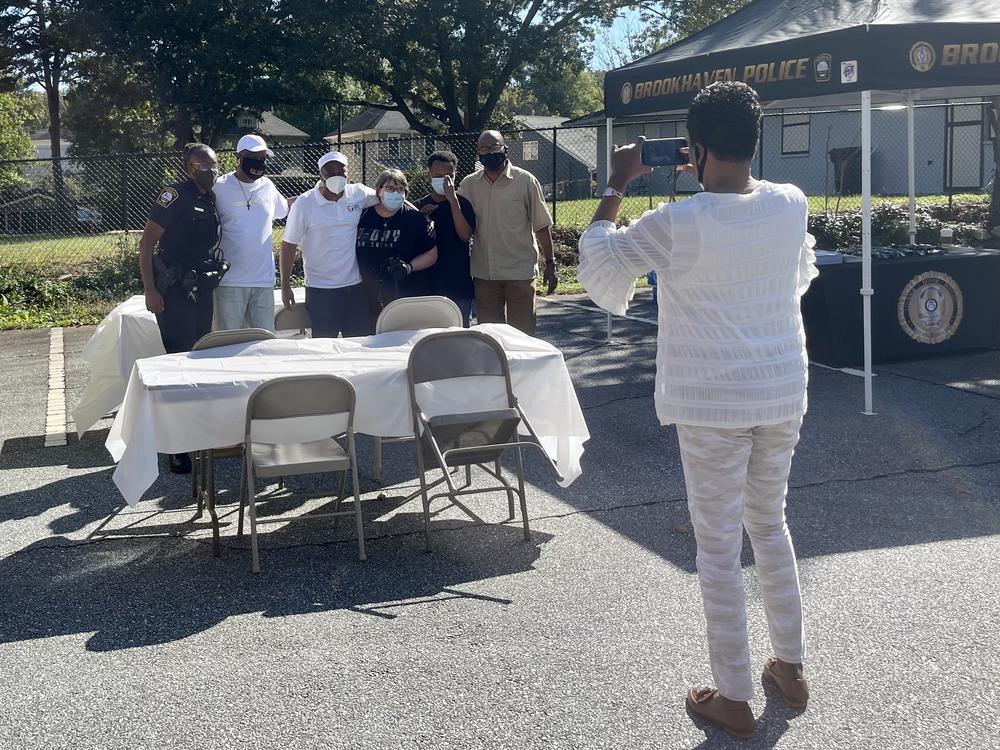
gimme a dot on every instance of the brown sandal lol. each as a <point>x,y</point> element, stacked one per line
<point>737,721</point>
<point>795,689</point>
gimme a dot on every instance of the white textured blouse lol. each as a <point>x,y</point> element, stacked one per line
<point>731,270</point>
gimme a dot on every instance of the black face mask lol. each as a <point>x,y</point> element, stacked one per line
<point>493,162</point>
<point>250,165</point>
<point>204,179</point>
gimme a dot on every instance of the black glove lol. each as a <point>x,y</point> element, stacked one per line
<point>398,269</point>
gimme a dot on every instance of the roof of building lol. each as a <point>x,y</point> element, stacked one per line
<point>579,143</point>
<point>374,118</point>
<point>274,126</point>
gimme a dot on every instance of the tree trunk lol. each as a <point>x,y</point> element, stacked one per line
<point>993,218</point>
<point>65,218</point>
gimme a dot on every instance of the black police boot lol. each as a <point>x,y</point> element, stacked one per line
<point>180,463</point>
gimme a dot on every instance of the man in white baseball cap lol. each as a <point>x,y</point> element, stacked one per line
<point>248,204</point>
<point>324,222</point>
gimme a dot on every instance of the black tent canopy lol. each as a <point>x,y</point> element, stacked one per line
<point>819,48</point>
<point>827,52</point>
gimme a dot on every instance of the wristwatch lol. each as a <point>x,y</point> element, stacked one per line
<point>610,192</point>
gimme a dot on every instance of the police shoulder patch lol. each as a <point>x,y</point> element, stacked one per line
<point>167,196</point>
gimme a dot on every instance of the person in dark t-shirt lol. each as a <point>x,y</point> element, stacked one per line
<point>394,246</point>
<point>454,221</point>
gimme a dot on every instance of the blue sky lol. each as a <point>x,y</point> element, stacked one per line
<point>624,17</point>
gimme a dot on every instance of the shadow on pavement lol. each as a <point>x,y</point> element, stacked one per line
<point>140,592</point>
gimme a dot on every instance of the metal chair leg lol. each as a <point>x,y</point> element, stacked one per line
<point>510,494</point>
<point>243,497</point>
<point>520,491</point>
<point>194,476</point>
<point>339,499</point>
<point>252,492</point>
<point>358,519</point>
<point>425,501</point>
<point>216,542</point>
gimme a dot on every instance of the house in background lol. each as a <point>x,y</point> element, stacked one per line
<point>281,136</point>
<point>819,151</point>
<point>378,139</point>
<point>563,159</point>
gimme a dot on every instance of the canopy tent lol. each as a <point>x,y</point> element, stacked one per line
<point>827,53</point>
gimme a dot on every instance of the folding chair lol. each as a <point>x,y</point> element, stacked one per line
<point>473,438</point>
<point>203,463</point>
<point>288,427</point>
<point>413,314</point>
<point>289,319</point>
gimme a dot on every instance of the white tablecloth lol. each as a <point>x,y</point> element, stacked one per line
<point>127,334</point>
<point>177,403</point>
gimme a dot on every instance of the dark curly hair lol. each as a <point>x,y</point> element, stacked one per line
<point>725,117</point>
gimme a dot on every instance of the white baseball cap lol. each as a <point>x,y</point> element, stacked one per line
<point>253,143</point>
<point>331,156</point>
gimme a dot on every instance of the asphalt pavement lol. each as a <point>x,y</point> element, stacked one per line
<point>118,629</point>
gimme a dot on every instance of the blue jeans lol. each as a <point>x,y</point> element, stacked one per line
<point>465,305</point>
<point>338,311</point>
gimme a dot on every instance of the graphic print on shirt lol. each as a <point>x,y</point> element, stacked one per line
<point>378,239</point>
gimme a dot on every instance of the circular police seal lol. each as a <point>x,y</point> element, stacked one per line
<point>626,92</point>
<point>930,307</point>
<point>922,57</point>
<point>821,67</point>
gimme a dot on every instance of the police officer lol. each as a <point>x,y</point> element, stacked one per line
<point>180,277</point>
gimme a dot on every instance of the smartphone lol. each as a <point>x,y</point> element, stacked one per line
<point>664,152</point>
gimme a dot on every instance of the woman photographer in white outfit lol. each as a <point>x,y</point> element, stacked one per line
<point>732,263</point>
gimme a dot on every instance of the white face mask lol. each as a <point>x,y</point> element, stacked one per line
<point>336,184</point>
<point>437,185</point>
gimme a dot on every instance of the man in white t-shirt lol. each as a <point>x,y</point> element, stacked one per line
<point>248,204</point>
<point>324,222</point>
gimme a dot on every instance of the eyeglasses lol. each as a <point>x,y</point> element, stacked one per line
<point>496,148</point>
<point>214,168</point>
<point>393,189</point>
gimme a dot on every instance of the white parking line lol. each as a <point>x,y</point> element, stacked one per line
<point>55,415</point>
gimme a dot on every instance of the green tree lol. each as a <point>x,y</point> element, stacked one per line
<point>444,63</point>
<point>14,140</point>
<point>41,39</point>
<point>109,111</point>
<point>204,64</point>
<point>36,108</point>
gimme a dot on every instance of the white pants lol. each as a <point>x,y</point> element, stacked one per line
<point>243,307</point>
<point>738,478</point>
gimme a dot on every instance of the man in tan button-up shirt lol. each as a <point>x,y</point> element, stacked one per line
<point>512,223</point>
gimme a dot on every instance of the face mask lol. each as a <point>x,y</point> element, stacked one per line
<point>393,201</point>
<point>205,178</point>
<point>250,166</point>
<point>336,184</point>
<point>437,185</point>
<point>493,162</point>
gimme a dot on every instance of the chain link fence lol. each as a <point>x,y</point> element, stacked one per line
<point>63,216</point>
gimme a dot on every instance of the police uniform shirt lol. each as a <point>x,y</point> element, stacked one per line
<point>190,224</point>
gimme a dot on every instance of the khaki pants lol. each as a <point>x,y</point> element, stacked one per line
<point>506,301</point>
<point>736,479</point>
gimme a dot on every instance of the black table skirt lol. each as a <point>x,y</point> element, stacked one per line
<point>921,305</point>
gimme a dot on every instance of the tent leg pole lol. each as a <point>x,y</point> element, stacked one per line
<point>609,147</point>
<point>866,240</point>
<point>911,170</point>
